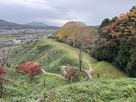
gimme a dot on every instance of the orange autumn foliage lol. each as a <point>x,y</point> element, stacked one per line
<point>123,24</point>
<point>74,33</point>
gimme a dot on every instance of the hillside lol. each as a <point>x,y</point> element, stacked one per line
<point>52,55</point>
<point>9,25</point>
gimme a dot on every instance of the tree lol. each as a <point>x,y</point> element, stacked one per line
<point>73,32</point>
<point>81,39</point>
<point>4,55</point>
<point>76,34</point>
<point>2,74</point>
<point>134,7</point>
<point>70,73</point>
<point>105,22</point>
<point>30,68</point>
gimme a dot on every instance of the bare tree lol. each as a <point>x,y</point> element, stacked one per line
<point>4,55</point>
<point>77,34</point>
<point>81,39</point>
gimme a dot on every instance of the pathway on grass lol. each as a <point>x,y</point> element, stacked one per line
<point>53,74</point>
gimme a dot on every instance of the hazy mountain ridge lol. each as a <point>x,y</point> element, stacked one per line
<point>37,24</point>
<point>9,25</point>
<point>6,25</point>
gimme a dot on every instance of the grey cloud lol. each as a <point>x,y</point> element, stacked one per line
<point>58,12</point>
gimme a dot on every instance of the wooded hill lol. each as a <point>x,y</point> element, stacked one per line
<point>117,42</point>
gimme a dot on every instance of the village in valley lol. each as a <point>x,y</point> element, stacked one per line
<point>23,36</point>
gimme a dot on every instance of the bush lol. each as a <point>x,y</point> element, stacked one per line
<point>30,68</point>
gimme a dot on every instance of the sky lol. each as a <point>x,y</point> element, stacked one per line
<point>58,12</point>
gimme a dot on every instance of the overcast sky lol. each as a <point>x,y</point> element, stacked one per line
<point>58,12</point>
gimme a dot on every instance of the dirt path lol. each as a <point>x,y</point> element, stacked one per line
<point>89,73</point>
<point>53,74</point>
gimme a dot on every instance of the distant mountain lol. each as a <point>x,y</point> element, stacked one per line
<point>33,25</point>
<point>39,24</point>
<point>9,25</point>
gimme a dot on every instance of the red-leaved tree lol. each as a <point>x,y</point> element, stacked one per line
<point>30,68</point>
<point>2,74</point>
<point>71,73</point>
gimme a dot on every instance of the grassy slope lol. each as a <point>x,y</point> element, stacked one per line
<point>52,55</point>
<point>103,68</point>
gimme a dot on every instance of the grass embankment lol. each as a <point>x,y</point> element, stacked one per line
<point>52,55</point>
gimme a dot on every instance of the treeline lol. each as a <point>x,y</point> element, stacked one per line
<point>117,42</point>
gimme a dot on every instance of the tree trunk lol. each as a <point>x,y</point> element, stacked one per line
<point>44,81</point>
<point>80,59</point>
<point>80,65</point>
<point>1,89</point>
